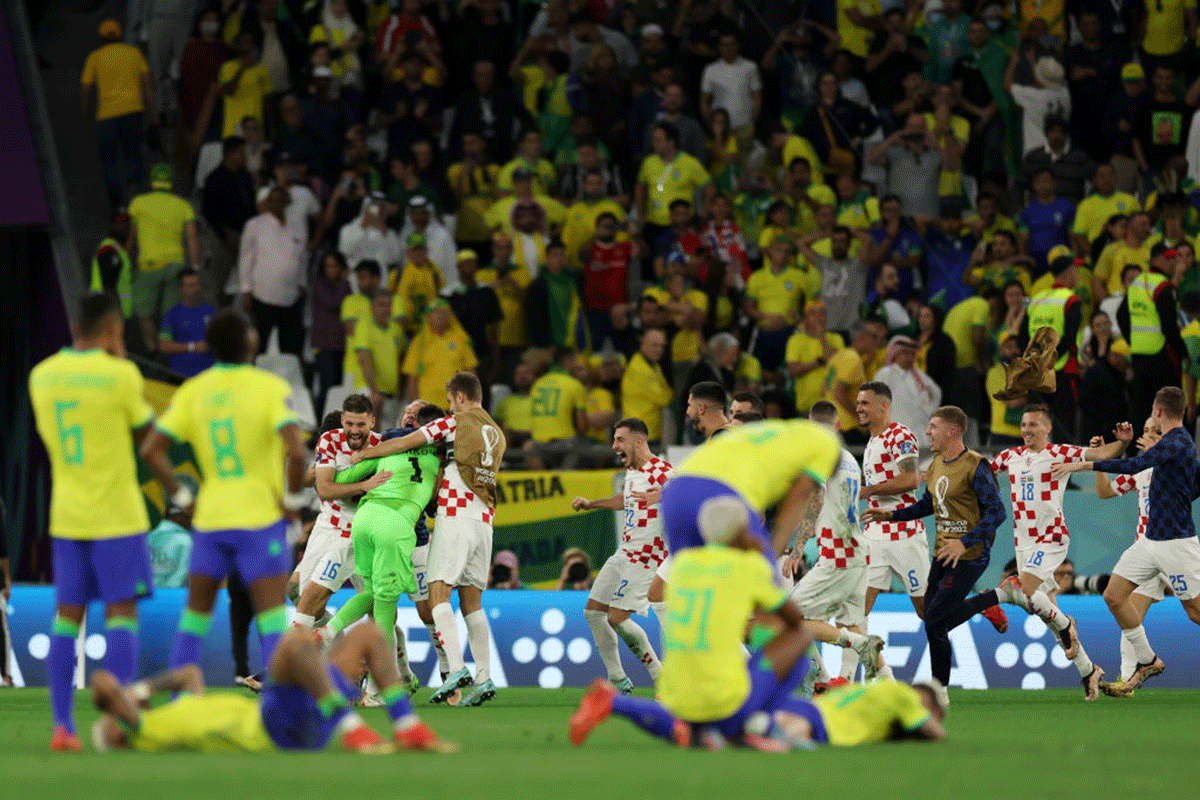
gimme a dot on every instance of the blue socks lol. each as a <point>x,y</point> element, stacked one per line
<point>646,714</point>
<point>193,627</point>
<point>122,656</point>
<point>62,672</point>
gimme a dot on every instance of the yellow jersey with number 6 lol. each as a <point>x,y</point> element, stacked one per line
<point>762,460</point>
<point>712,592</point>
<point>231,415</point>
<point>86,403</point>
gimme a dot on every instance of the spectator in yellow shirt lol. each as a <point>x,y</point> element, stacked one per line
<point>1005,414</point>
<point>809,350</point>
<point>118,74</point>
<point>847,371</point>
<point>857,20</point>
<point>529,157</point>
<point>510,282</point>
<point>559,410</point>
<point>1169,26</point>
<point>645,392</point>
<point>165,229</point>
<point>440,350</point>
<point>1096,209</point>
<point>245,83</point>
<point>775,294</point>
<point>378,345</point>
<point>601,405</point>
<point>420,283</point>
<point>667,175</point>
<point>356,310</point>
<point>515,412</point>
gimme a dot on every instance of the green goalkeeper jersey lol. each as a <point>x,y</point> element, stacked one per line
<point>414,476</point>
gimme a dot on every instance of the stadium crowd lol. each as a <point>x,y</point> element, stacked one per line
<point>595,204</point>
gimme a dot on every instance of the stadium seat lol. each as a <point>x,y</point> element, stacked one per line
<point>335,397</point>
<point>287,366</point>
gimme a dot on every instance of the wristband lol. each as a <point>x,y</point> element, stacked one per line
<point>140,691</point>
<point>183,497</point>
<point>294,501</point>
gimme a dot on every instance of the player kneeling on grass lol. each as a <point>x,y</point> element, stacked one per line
<point>709,691</point>
<point>303,705</point>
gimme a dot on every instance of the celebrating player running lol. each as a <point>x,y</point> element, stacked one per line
<point>621,587</point>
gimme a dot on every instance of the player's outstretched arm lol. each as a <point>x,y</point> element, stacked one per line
<point>932,730</point>
<point>1104,487</point>
<point>358,479</point>
<point>295,457</point>
<point>401,444</point>
<point>1124,434</point>
<point>614,503</point>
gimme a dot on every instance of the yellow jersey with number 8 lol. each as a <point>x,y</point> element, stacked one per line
<point>762,460</point>
<point>712,592</point>
<point>86,403</point>
<point>231,415</point>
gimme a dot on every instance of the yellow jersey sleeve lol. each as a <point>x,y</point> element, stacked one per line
<point>138,410</point>
<point>695,172</point>
<point>760,582</point>
<point>176,421</point>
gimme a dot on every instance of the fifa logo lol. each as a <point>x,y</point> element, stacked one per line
<point>491,438</point>
<point>940,488</point>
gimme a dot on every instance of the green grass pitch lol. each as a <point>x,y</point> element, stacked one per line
<point>1003,743</point>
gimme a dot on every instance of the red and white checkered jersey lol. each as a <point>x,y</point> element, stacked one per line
<point>333,450</point>
<point>838,530</point>
<point>642,541</point>
<point>1037,497</point>
<point>1123,484</point>
<point>455,498</point>
<point>881,462</point>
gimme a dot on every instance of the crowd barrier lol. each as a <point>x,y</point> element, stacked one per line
<point>540,638</point>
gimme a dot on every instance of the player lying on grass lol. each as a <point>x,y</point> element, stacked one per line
<point>708,689</point>
<point>303,705</point>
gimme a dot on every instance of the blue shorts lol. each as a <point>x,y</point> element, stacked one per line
<point>109,570</point>
<point>803,707</point>
<point>681,500</point>
<point>261,553</point>
<point>292,718</point>
<point>767,694</point>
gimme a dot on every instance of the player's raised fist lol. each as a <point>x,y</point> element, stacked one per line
<point>580,504</point>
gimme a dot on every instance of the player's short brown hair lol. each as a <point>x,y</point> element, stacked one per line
<point>1038,408</point>
<point>466,383</point>
<point>1171,400</point>
<point>954,416</point>
<point>823,411</point>
<point>358,404</point>
<point>878,387</point>
<point>633,425</point>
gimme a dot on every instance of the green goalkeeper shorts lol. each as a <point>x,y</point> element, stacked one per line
<point>384,539</point>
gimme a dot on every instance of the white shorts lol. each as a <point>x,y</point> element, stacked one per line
<point>623,584</point>
<point>1155,588</point>
<point>420,562</point>
<point>1177,560</point>
<point>1040,560</point>
<point>328,558</point>
<point>907,559</point>
<point>460,552</point>
<point>664,569</point>
<point>826,591</point>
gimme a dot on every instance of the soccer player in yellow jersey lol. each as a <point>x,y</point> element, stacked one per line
<point>864,714</point>
<point>303,704</point>
<point>237,420</point>
<point>764,464</point>
<point>89,408</point>
<point>707,687</point>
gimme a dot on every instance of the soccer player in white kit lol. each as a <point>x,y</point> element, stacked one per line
<point>890,480</point>
<point>836,586</point>
<point>621,587</point>
<point>1153,590</point>
<point>329,556</point>
<point>1040,533</point>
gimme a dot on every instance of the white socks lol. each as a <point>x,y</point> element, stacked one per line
<point>349,721</point>
<point>819,663</point>
<point>1128,659</point>
<point>849,639</point>
<point>479,637</point>
<point>850,662</point>
<point>402,654</point>
<point>1083,663</point>
<point>606,643</point>
<point>1140,645</point>
<point>447,633</point>
<point>443,667</point>
<point>634,636</point>
<point>304,621</point>
<point>1045,608</point>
